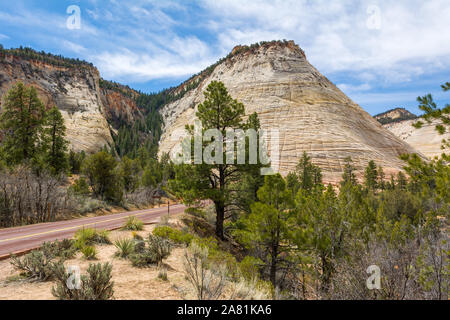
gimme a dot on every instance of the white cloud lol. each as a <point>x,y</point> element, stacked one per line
<point>413,39</point>
<point>163,63</point>
<point>350,88</point>
<point>153,39</point>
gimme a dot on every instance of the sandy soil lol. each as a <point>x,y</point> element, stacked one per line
<point>129,282</point>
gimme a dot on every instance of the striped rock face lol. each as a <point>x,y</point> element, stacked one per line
<point>74,91</point>
<point>311,114</point>
<point>426,139</point>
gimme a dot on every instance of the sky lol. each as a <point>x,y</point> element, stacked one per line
<point>383,54</point>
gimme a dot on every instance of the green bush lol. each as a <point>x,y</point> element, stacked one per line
<point>125,247</point>
<point>38,265</point>
<point>174,235</point>
<point>89,252</point>
<point>157,250</point>
<point>197,212</point>
<point>133,224</point>
<point>249,267</point>
<point>84,237</point>
<point>64,249</point>
<point>216,256</point>
<point>80,187</point>
<point>160,247</point>
<point>88,236</point>
<point>102,237</point>
<point>96,285</point>
<point>143,259</point>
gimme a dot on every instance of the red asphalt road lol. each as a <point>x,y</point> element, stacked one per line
<point>21,239</point>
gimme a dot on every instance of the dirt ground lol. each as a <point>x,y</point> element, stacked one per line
<point>130,283</point>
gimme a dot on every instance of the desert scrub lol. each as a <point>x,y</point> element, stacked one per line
<point>174,235</point>
<point>89,252</point>
<point>125,247</point>
<point>87,205</point>
<point>96,285</point>
<point>64,249</point>
<point>162,274</point>
<point>133,224</point>
<point>216,256</point>
<point>208,283</point>
<point>102,237</point>
<point>155,252</point>
<point>38,265</point>
<point>252,289</point>
<point>160,247</point>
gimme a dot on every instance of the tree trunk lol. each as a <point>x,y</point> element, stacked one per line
<point>273,265</point>
<point>220,211</point>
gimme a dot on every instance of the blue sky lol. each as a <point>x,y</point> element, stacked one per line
<point>381,53</point>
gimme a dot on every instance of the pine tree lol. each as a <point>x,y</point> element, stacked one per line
<point>371,176</point>
<point>349,177</point>
<point>266,228</point>
<point>100,169</point>
<point>54,142</point>
<point>21,121</point>
<point>129,171</point>
<point>212,180</point>
<point>308,174</point>
<point>402,182</point>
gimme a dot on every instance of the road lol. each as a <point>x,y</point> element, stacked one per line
<point>22,239</point>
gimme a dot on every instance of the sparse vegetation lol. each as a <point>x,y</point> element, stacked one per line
<point>208,283</point>
<point>125,247</point>
<point>39,265</point>
<point>133,224</point>
<point>96,285</point>
<point>162,274</point>
<point>89,252</point>
<point>174,235</point>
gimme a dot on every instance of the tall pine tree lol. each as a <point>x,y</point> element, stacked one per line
<point>21,122</point>
<point>54,142</point>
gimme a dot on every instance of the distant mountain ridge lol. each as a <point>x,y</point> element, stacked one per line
<point>395,115</point>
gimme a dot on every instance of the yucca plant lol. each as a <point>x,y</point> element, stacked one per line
<point>84,237</point>
<point>133,224</point>
<point>89,252</point>
<point>89,236</point>
<point>125,247</point>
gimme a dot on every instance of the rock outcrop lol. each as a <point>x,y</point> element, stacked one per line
<point>426,139</point>
<point>289,94</point>
<point>395,115</point>
<point>75,91</point>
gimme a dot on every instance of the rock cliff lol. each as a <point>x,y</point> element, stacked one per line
<point>426,139</point>
<point>88,109</point>
<point>276,80</point>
